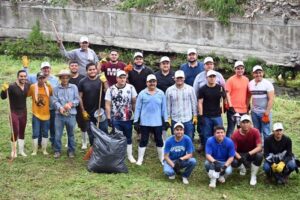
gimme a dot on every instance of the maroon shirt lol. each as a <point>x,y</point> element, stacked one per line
<point>110,71</point>
<point>247,142</point>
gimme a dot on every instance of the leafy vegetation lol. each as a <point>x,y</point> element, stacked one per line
<point>127,4</point>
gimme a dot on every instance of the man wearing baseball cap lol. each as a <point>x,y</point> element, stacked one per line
<point>279,158</point>
<point>165,76</point>
<point>262,92</point>
<point>193,67</point>
<point>248,148</point>
<point>178,154</point>
<point>82,55</point>
<point>182,104</point>
<point>150,116</point>
<point>237,89</point>
<point>120,101</point>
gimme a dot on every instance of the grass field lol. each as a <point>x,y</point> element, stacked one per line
<point>43,177</point>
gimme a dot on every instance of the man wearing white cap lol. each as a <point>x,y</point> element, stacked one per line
<point>193,67</point>
<point>182,104</point>
<point>150,115</point>
<point>165,76</point>
<point>120,101</point>
<point>65,100</point>
<point>178,154</point>
<point>248,147</point>
<point>138,76</point>
<point>82,55</point>
<point>237,89</point>
<point>209,98</point>
<point>262,92</point>
<point>279,158</point>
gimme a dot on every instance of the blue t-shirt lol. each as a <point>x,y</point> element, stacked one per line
<point>220,151</point>
<point>191,72</point>
<point>178,149</point>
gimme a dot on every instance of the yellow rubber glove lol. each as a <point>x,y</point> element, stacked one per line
<point>170,121</point>
<point>274,167</point>
<point>85,116</point>
<point>4,87</point>
<point>102,77</point>
<point>25,61</point>
<point>195,120</point>
<point>280,167</point>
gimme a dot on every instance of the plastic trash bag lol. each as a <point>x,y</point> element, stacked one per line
<point>109,152</point>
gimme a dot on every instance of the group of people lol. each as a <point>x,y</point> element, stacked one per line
<point>113,94</point>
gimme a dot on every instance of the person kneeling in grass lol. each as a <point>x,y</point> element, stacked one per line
<point>178,154</point>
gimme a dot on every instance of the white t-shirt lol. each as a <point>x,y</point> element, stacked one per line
<point>121,102</point>
<point>259,92</point>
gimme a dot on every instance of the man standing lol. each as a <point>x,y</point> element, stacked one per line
<point>192,68</point>
<point>262,92</point>
<point>182,104</point>
<point>280,160</point>
<point>248,147</point>
<point>237,89</point>
<point>120,101</point>
<point>138,76</point>
<point>17,93</point>
<point>209,105</point>
<point>178,154</point>
<point>75,79</point>
<point>111,67</point>
<point>82,55</point>
<point>65,100</point>
<point>40,93</point>
<point>219,156</point>
<point>150,115</point>
<point>165,76</point>
<point>89,92</point>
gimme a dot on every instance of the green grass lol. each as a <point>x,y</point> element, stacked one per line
<point>43,177</point>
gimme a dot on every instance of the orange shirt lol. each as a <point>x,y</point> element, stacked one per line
<point>237,88</point>
<point>40,107</point>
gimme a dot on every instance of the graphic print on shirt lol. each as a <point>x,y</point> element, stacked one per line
<point>121,99</point>
<point>40,101</point>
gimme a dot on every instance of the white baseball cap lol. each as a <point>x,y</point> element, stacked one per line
<point>238,63</point>
<point>45,64</point>
<point>121,73</point>
<point>245,118</point>
<point>208,59</point>
<point>179,124</point>
<point>151,77</point>
<point>211,72</point>
<point>83,39</point>
<point>164,58</point>
<point>138,54</point>
<point>179,73</point>
<point>277,126</point>
<point>191,50</point>
<point>257,67</point>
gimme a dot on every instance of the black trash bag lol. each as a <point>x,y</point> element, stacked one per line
<point>109,152</point>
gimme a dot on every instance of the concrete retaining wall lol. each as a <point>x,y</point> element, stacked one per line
<point>268,39</point>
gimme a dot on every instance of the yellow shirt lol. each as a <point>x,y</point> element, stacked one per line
<point>41,105</point>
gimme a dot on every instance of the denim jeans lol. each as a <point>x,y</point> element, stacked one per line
<point>51,128</point>
<point>264,129</point>
<point>125,127</point>
<point>39,127</point>
<point>208,127</point>
<point>189,128</point>
<point>210,166</point>
<point>145,131</point>
<point>60,122</point>
<point>102,126</point>
<point>188,165</point>
<point>291,165</point>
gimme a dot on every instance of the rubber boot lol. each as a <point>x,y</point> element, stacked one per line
<point>44,145</point>
<point>13,153</point>
<point>129,154</point>
<point>21,147</point>
<point>160,154</point>
<point>212,183</point>
<point>141,153</point>
<point>84,140</point>
<point>254,170</point>
<point>34,147</point>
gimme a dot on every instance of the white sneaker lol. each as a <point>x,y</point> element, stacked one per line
<point>172,177</point>
<point>212,183</point>
<point>242,170</point>
<point>185,180</point>
<point>221,179</point>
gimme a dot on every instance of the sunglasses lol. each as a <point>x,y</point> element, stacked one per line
<point>212,76</point>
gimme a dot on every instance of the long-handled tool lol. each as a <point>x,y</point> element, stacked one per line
<point>99,105</point>
<point>55,30</point>
<point>14,149</point>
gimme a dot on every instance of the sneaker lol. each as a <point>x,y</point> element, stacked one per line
<point>242,170</point>
<point>212,183</point>
<point>185,180</point>
<point>71,155</point>
<point>172,177</point>
<point>56,155</point>
<point>221,179</point>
